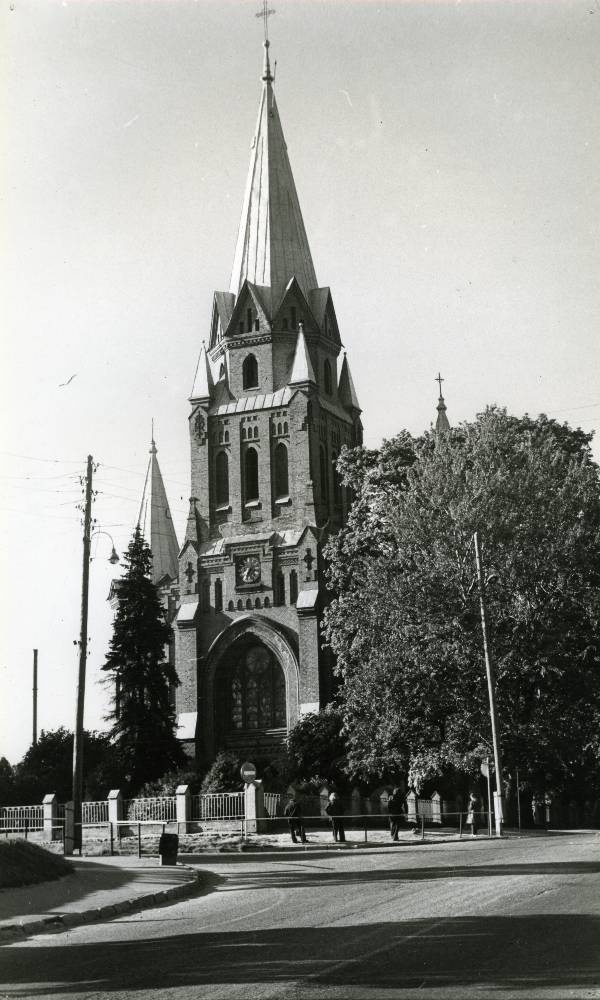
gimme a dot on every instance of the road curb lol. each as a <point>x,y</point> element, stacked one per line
<point>66,921</point>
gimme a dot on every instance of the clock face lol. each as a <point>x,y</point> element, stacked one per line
<point>248,569</point>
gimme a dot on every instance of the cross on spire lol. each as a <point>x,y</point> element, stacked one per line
<point>265,13</point>
<point>440,380</point>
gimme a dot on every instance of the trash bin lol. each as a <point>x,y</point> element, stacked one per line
<point>167,848</point>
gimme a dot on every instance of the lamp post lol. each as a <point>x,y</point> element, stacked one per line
<point>75,840</point>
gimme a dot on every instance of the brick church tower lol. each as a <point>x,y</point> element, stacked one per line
<point>271,406</point>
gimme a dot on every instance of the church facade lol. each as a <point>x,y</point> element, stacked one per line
<point>272,404</point>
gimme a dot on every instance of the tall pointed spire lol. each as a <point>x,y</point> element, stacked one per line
<point>442,424</point>
<point>163,540</point>
<point>272,245</point>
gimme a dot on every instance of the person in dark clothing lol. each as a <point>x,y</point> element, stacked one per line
<point>335,811</point>
<point>293,812</point>
<point>396,811</point>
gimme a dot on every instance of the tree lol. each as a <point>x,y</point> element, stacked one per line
<point>317,748</point>
<point>405,625</point>
<point>48,767</point>
<point>143,716</point>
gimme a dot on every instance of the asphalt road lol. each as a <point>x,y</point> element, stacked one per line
<point>484,919</point>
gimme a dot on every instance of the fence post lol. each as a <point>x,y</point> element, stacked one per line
<point>183,806</point>
<point>50,805</point>
<point>254,806</point>
<point>436,808</point>
<point>112,840</point>
<point>115,809</point>
<point>139,840</point>
<point>356,802</point>
<point>411,805</point>
<point>323,800</point>
<point>422,827</point>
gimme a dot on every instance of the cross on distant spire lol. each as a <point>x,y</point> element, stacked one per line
<point>440,380</point>
<point>265,13</point>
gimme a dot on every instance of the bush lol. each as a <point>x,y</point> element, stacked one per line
<point>24,863</point>
<point>317,749</point>
<point>224,774</point>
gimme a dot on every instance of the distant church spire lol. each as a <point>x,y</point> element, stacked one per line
<point>163,540</point>
<point>442,423</point>
<point>272,245</point>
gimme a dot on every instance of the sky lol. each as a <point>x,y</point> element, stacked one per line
<point>446,159</point>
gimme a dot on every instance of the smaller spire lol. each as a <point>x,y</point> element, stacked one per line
<point>442,424</point>
<point>203,380</point>
<point>302,369</point>
<point>346,390</point>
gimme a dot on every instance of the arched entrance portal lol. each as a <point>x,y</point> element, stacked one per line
<point>251,688</point>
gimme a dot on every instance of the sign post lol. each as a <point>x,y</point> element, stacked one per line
<point>485,770</point>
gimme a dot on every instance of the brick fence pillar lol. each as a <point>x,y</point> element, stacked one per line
<point>254,807</point>
<point>50,804</point>
<point>183,804</point>
<point>436,808</point>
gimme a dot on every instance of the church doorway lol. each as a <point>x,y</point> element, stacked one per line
<point>251,698</point>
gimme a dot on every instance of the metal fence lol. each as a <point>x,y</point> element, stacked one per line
<point>217,806</point>
<point>21,819</point>
<point>94,812</point>
<point>273,804</point>
<point>160,809</point>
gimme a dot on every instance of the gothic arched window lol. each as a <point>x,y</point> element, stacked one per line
<point>293,587</point>
<point>337,486</point>
<point>250,475</point>
<point>250,372</point>
<point>253,692</point>
<point>222,479</point>
<point>324,475</point>
<point>327,379</point>
<point>282,486</point>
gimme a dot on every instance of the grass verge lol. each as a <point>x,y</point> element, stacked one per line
<point>24,863</point>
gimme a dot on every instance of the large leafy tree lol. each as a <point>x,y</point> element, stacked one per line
<point>143,716</point>
<point>405,625</point>
<point>48,767</point>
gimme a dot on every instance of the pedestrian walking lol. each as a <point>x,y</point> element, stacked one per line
<point>335,811</point>
<point>293,812</point>
<point>472,810</point>
<point>396,811</point>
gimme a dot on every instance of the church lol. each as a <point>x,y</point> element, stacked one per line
<point>272,404</point>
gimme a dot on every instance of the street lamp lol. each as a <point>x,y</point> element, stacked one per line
<point>76,837</point>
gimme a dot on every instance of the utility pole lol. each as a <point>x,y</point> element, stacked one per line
<point>35,692</point>
<point>489,669</point>
<point>77,793</point>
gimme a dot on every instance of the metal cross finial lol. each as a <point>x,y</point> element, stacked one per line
<point>440,380</point>
<point>265,13</point>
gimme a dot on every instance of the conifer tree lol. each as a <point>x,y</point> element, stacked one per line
<point>143,717</point>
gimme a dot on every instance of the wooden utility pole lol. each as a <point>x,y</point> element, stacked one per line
<point>77,793</point>
<point>35,692</point>
<point>489,669</point>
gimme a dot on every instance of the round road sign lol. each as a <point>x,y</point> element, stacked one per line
<point>248,771</point>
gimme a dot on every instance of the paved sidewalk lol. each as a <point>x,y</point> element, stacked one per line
<point>98,889</point>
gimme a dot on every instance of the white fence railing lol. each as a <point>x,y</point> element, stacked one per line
<point>217,806</point>
<point>16,819</point>
<point>162,809</point>
<point>94,812</point>
<point>273,804</point>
